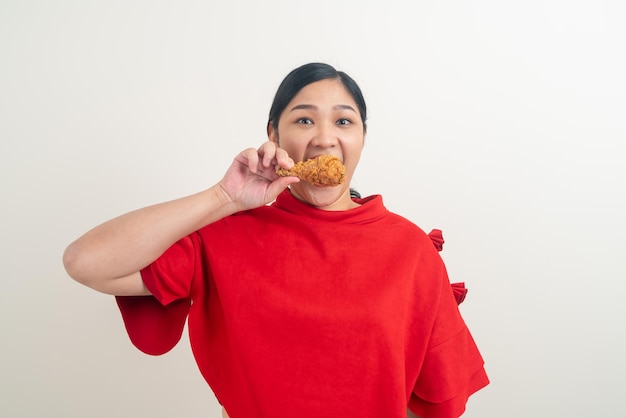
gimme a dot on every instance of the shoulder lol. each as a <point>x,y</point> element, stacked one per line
<point>411,227</point>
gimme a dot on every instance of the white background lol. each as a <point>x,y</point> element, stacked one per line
<point>501,123</point>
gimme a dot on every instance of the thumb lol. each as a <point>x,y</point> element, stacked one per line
<point>278,185</point>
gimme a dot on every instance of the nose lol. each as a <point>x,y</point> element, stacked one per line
<point>325,136</point>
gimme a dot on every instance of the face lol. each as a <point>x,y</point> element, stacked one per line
<point>322,118</point>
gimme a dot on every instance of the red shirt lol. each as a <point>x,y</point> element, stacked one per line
<point>296,311</point>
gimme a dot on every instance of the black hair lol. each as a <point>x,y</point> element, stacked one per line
<point>306,74</point>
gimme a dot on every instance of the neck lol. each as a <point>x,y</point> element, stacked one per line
<point>342,202</point>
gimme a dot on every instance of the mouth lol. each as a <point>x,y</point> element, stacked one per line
<point>323,156</point>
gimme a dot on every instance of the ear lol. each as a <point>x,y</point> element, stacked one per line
<point>272,134</point>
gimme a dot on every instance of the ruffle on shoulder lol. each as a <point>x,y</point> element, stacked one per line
<point>458,289</point>
<point>436,236</point>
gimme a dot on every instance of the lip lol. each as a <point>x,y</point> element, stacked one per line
<point>320,155</point>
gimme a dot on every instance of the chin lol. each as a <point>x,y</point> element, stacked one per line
<point>331,198</point>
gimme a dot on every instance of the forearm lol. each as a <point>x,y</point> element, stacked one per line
<point>128,243</point>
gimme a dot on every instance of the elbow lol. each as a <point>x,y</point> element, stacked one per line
<point>74,265</point>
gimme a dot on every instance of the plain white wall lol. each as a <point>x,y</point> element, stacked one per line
<point>502,123</point>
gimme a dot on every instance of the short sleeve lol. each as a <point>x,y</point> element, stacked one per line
<point>155,323</point>
<point>452,369</point>
<point>169,277</point>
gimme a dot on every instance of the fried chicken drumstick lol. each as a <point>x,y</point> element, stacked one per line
<point>325,170</point>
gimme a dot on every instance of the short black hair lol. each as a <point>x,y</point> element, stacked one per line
<point>306,74</point>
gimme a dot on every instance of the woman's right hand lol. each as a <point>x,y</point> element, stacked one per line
<point>251,180</point>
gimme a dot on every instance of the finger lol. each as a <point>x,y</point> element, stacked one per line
<point>281,184</point>
<point>250,158</point>
<point>283,160</point>
<point>267,151</point>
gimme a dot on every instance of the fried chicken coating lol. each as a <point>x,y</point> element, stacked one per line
<point>325,170</point>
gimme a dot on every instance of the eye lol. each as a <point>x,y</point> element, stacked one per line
<point>304,121</point>
<point>344,122</point>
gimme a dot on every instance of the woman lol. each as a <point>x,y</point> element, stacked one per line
<point>301,300</point>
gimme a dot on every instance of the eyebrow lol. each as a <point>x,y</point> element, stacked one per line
<point>313,107</point>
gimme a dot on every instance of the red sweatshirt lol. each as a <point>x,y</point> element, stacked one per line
<point>296,311</point>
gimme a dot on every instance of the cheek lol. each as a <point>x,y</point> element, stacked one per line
<point>354,154</point>
<point>294,151</point>
<point>291,141</point>
<point>355,144</point>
